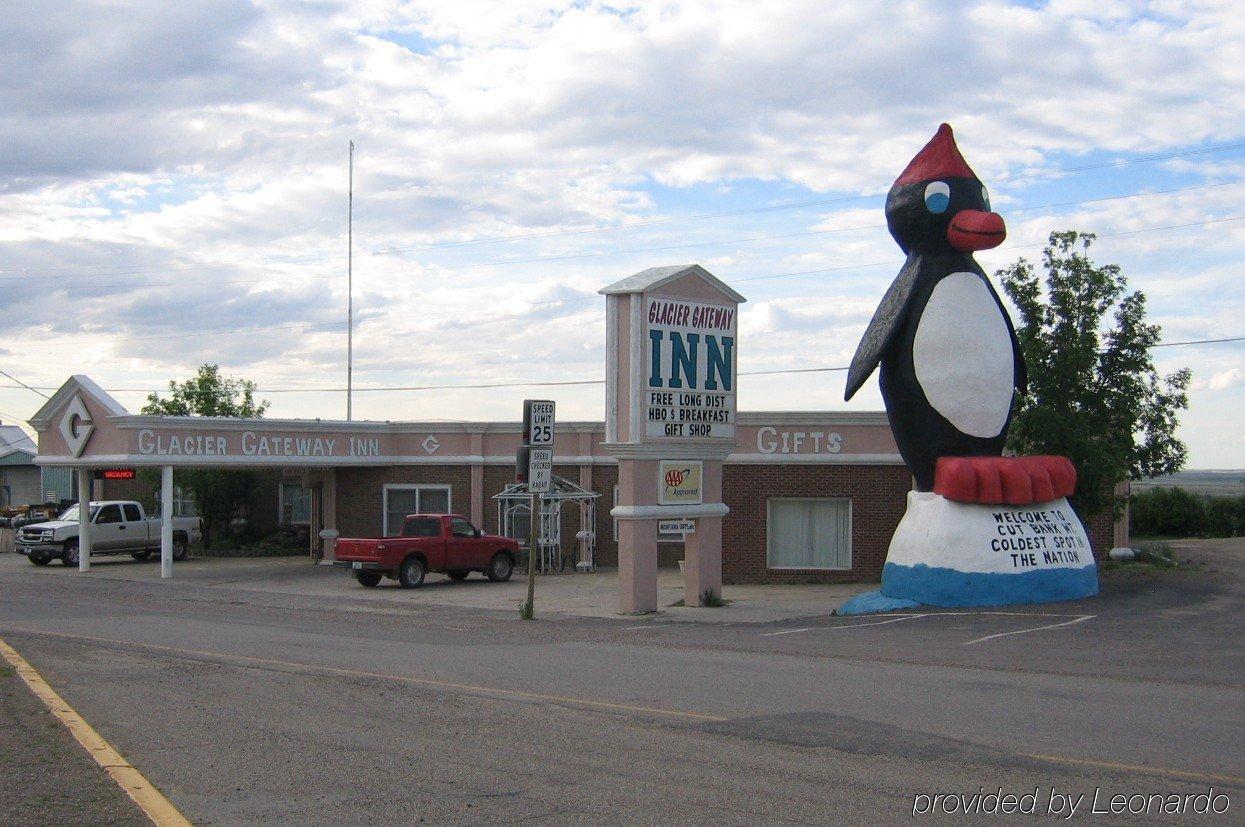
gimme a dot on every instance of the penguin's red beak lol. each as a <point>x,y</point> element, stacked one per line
<point>976,230</point>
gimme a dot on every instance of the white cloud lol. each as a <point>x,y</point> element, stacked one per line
<point>178,169</point>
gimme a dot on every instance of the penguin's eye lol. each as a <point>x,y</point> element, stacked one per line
<point>985,197</point>
<point>937,197</point>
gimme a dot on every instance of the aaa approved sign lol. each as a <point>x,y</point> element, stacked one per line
<point>678,482</point>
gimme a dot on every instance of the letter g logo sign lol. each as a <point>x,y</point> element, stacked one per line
<point>76,426</point>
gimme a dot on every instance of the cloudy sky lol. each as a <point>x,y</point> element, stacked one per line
<point>173,182</point>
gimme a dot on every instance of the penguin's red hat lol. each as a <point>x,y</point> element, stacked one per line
<point>940,158</point>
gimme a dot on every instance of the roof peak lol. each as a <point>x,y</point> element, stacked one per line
<point>655,277</point>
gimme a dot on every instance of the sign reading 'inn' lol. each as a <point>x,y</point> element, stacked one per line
<point>690,388</point>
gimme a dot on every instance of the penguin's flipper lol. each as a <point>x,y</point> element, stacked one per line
<point>886,322</point>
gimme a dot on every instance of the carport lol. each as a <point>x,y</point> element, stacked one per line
<point>82,427</point>
<point>69,422</point>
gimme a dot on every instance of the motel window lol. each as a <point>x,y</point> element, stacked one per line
<point>806,533</point>
<point>184,502</point>
<point>401,500</point>
<point>295,504</point>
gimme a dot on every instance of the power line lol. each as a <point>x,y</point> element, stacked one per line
<point>228,331</point>
<point>18,422</point>
<point>1201,342</point>
<point>24,385</point>
<point>566,382</point>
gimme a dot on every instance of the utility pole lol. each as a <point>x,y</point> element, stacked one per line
<point>350,288</point>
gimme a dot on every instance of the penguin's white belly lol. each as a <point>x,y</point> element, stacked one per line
<point>962,355</point>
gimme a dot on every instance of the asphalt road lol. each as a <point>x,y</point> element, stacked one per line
<point>246,706</point>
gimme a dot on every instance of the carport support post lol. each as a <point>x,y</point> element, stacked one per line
<point>166,521</point>
<point>86,479</point>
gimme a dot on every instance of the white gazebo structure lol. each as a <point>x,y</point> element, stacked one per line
<point>514,519</point>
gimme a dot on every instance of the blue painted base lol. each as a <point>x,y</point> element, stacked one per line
<point>948,587</point>
<point>875,601</point>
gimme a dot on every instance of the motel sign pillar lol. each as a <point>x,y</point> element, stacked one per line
<point>671,371</point>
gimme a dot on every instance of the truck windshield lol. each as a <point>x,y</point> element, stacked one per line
<point>71,513</point>
<point>421,527</point>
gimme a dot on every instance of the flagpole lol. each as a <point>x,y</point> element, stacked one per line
<point>350,288</point>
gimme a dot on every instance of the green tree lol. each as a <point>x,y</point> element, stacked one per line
<point>1094,395</point>
<point>217,494</point>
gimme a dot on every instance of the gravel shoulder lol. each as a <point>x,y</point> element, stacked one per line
<point>48,777</point>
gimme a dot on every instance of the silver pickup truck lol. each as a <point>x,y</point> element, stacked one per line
<point>117,527</point>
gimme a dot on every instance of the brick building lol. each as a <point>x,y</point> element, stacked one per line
<point>812,496</point>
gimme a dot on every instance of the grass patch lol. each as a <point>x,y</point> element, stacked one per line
<point>711,599</point>
<point>1158,553</point>
<point>526,610</point>
<point>6,671</point>
<point>1150,554</point>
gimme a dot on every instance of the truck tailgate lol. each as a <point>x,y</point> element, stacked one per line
<point>350,550</point>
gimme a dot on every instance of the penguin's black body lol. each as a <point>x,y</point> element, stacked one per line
<point>949,354</point>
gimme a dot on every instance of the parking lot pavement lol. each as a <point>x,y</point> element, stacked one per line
<point>572,594</point>
<point>346,704</point>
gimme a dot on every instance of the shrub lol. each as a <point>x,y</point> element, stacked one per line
<point>1175,512</point>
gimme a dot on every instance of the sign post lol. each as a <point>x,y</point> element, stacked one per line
<point>671,369</point>
<point>536,468</point>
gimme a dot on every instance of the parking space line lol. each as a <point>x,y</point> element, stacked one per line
<point>1079,619</point>
<point>785,632</point>
<point>158,808</point>
<point>896,619</point>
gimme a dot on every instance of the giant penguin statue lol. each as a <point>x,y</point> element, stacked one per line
<point>950,367</point>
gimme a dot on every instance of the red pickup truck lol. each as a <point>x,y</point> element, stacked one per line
<point>445,543</point>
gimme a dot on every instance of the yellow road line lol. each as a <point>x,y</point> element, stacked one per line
<point>1141,768</point>
<point>158,808</point>
<point>504,692</point>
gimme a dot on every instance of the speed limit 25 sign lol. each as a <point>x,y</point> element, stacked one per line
<point>538,421</point>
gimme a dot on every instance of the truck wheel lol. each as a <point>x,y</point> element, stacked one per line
<point>411,573</point>
<point>40,559</point>
<point>367,578</point>
<point>500,567</point>
<point>141,555</point>
<point>457,575</point>
<point>179,549</point>
<point>70,555</point>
